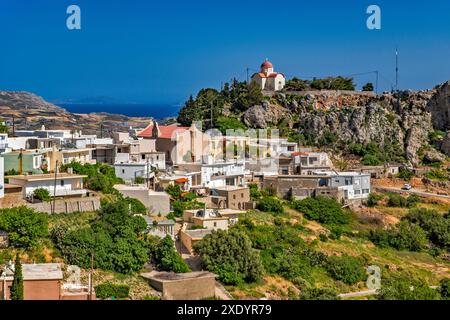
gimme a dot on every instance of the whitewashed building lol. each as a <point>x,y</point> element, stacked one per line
<point>269,80</point>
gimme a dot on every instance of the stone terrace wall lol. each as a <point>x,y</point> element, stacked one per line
<point>68,206</point>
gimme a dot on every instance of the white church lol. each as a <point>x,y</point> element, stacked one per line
<point>269,80</point>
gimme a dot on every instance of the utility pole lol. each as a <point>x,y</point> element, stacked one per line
<point>148,175</point>
<point>101,130</point>
<point>376,82</point>
<point>54,187</point>
<point>14,126</point>
<point>212,115</point>
<point>91,271</point>
<point>247,70</point>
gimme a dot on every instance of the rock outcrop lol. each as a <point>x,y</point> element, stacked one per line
<point>402,121</point>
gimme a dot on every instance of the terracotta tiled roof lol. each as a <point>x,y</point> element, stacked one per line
<point>266,64</point>
<point>272,75</point>
<point>166,132</point>
<point>299,154</point>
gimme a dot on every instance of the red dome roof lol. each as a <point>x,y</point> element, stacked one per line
<point>267,64</point>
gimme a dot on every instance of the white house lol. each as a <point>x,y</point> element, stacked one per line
<point>66,184</point>
<point>354,184</point>
<point>269,80</point>
<point>4,143</point>
<point>128,171</point>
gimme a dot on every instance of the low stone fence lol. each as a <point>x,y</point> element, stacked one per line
<point>68,206</point>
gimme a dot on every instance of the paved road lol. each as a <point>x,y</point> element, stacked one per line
<point>414,191</point>
<point>358,293</point>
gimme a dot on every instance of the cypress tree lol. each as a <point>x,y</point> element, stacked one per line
<point>17,285</point>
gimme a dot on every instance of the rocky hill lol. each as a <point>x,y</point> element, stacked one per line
<point>406,126</point>
<point>31,112</point>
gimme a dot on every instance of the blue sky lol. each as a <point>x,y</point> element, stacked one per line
<point>162,51</point>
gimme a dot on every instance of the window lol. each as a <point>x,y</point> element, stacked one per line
<point>123,170</point>
<point>285,171</point>
<point>62,183</point>
<point>242,195</point>
<point>290,148</point>
<point>234,197</point>
<point>357,191</point>
<point>143,156</point>
<point>365,191</point>
<point>215,224</point>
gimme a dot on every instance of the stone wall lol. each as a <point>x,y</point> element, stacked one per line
<point>68,206</point>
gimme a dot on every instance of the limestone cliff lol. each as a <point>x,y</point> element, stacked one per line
<point>403,120</point>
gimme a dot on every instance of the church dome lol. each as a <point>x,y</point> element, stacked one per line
<point>266,64</point>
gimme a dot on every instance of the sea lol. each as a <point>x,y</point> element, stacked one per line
<point>156,111</point>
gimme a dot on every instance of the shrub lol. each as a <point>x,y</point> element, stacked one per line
<point>404,236</point>
<point>396,200</point>
<point>139,180</point>
<point>412,200</point>
<point>318,294</point>
<point>444,288</point>
<point>322,209</point>
<point>115,239</point>
<point>405,174</point>
<point>110,290</point>
<point>165,257</point>
<point>347,269</point>
<point>135,205</point>
<point>371,160</point>
<point>101,177</point>
<point>270,204</point>
<point>23,225</point>
<point>405,287</point>
<point>373,199</point>
<point>255,194</point>
<point>174,191</point>
<point>230,255</point>
<point>436,226</point>
<point>436,175</point>
<point>42,194</point>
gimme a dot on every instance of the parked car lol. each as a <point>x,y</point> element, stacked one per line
<point>407,186</point>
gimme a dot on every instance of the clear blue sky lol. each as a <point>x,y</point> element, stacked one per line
<point>162,51</point>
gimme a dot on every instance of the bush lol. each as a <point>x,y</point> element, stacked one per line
<point>101,177</point>
<point>404,236</point>
<point>230,255</point>
<point>318,294</point>
<point>412,200</point>
<point>436,226</point>
<point>322,209</point>
<point>165,257</point>
<point>255,194</point>
<point>270,204</point>
<point>174,191</point>
<point>371,160</point>
<point>347,269</point>
<point>42,194</point>
<point>135,205</point>
<point>109,290</point>
<point>23,225</point>
<point>405,287</point>
<point>405,175</point>
<point>396,200</point>
<point>373,199</point>
<point>444,288</point>
<point>115,240</point>
<point>438,175</point>
<point>139,180</point>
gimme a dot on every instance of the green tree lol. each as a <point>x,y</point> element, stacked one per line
<point>166,258</point>
<point>230,255</point>
<point>368,87</point>
<point>373,199</point>
<point>115,239</point>
<point>136,206</point>
<point>23,225</point>
<point>16,292</point>
<point>139,180</point>
<point>3,126</point>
